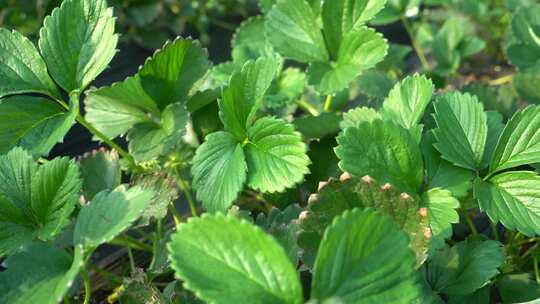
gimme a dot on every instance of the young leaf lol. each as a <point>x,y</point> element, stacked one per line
<point>360,50</point>
<point>22,70</point>
<point>40,273</point>
<point>513,198</point>
<point>244,95</point>
<point>465,267</point>
<point>34,201</point>
<point>356,116</point>
<point>170,74</point>
<point>100,170</point>
<point>364,258</point>
<point>78,41</point>
<point>342,16</point>
<point>109,214</point>
<point>165,190</point>
<point>227,260</point>
<point>276,156</point>
<point>219,171</point>
<point>462,129</point>
<point>519,143</point>
<point>34,123</point>
<point>408,100</point>
<point>383,150</point>
<point>334,197</point>
<point>294,32</point>
<point>149,140</point>
<point>441,212</point>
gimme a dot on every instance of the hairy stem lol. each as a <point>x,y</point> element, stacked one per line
<point>87,285</point>
<point>417,47</point>
<point>328,103</point>
<point>307,107</point>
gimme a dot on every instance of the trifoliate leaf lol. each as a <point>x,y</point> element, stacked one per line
<point>356,116</point>
<point>34,123</point>
<point>34,201</point>
<point>519,143</point>
<point>109,214</point>
<point>166,78</point>
<point>364,258</point>
<point>219,171</point>
<point>22,70</point>
<point>442,213</point>
<point>462,129</point>
<point>227,260</point>
<point>361,49</point>
<point>149,140</point>
<point>513,198</point>
<point>244,95</point>
<point>283,226</point>
<point>408,100</point>
<point>276,156</point>
<point>165,193</point>
<point>342,16</point>
<point>465,267</point>
<point>525,52</point>
<point>78,41</point>
<point>294,32</point>
<point>40,273</point>
<point>441,173</point>
<point>100,170</point>
<point>335,197</point>
<point>170,74</point>
<point>383,150</point>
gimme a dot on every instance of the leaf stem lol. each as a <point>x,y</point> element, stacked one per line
<point>328,103</point>
<point>417,47</point>
<point>87,285</point>
<point>308,107</point>
<point>127,241</point>
<point>469,221</point>
<point>536,272</point>
<point>502,80</point>
<point>131,259</point>
<point>185,189</point>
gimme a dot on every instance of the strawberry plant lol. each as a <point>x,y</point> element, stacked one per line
<point>323,163</point>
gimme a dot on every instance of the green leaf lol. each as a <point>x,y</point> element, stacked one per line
<point>343,16</point>
<point>149,140</point>
<point>334,197</point>
<point>445,46</point>
<point>165,192</point>
<point>383,151</point>
<point>78,41</point>
<point>283,226</point>
<point>461,129</point>
<point>465,267</point>
<point>525,52</point>
<point>441,213</point>
<point>243,97</point>
<point>276,156</point>
<point>219,171</point>
<point>526,86</point>
<point>100,170</point>
<point>518,288</point>
<point>138,289</point>
<point>115,109</point>
<point>364,258</point>
<point>40,273</point>
<point>34,123</point>
<point>441,173</point>
<point>325,124</point>
<point>408,100</point>
<point>22,70</point>
<point>227,260</point>
<point>519,143</point>
<point>513,198</point>
<point>248,42</point>
<point>357,116</point>
<point>395,10</point>
<point>109,214</point>
<point>360,50</point>
<point>294,32</point>
<point>375,84</point>
<point>169,75</point>
<point>34,201</point>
